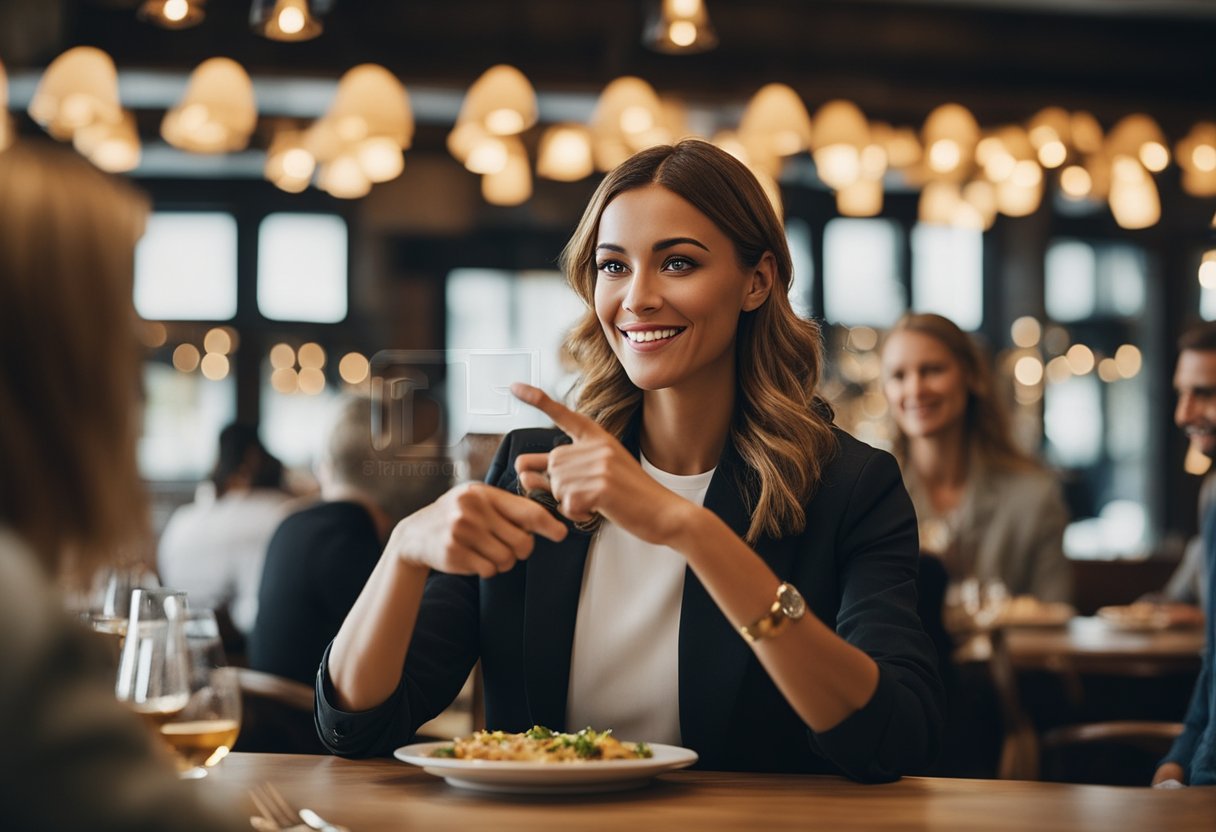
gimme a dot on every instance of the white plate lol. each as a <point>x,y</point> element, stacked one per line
<point>1134,620</point>
<point>546,778</point>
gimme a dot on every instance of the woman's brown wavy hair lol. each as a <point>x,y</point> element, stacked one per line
<point>69,360</point>
<point>781,429</point>
<point>986,424</point>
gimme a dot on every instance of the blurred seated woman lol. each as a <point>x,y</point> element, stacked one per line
<point>986,507</point>
<point>723,568</point>
<point>71,757</point>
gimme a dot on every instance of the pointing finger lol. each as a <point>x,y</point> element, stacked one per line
<point>575,424</point>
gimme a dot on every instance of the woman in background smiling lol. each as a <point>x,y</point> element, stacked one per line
<point>985,506</point>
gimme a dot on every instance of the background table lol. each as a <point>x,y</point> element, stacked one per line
<point>1091,645</point>
<point>378,795</point>
<point>1123,667</point>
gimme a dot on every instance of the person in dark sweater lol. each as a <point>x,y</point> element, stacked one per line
<point>320,557</point>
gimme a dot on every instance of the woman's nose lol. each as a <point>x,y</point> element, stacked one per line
<point>642,295</point>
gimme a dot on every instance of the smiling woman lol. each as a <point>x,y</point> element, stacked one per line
<point>985,506</point>
<point>704,505</point>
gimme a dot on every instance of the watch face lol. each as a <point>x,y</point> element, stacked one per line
<point>791,600</point>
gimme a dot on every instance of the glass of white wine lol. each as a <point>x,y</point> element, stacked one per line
<point>112,614</point>
<point>153,670</point>
<point>204,731</point>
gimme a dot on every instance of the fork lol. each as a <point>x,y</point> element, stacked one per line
<point>277,814</point>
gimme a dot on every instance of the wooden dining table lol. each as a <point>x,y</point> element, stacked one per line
<point>382,794</point>
<point>1088,644</point>
<point>1094,645</point>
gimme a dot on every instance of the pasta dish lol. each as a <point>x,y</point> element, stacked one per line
<point>541,745</point>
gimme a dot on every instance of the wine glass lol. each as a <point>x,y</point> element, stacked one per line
<point>984,601</point>
<point>204,731</point>
<point>111,615</point>
<point>153,671</point>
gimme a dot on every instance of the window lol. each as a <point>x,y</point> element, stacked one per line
<point>302,268</point>
<point>1073,421</point>
<point>1097,421</point>
<point>798,236</point>
<point>502,327</point>
<point>185,267</point>
<point>183,416</point>
<point>860,274</point>
<point>1071,280</point>
<point>1084,280</point>
<point>948,273</point>
<point>294,425</point>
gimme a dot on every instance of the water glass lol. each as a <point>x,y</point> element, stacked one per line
<point>153,670</point>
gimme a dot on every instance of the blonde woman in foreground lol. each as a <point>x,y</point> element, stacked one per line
<point>71,757</point>
<point>725,569</point>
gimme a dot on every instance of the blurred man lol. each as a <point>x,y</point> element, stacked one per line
<point>1192,760</point>
<point>213,548</point>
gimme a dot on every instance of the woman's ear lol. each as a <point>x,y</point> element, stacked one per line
<point>760,282</point>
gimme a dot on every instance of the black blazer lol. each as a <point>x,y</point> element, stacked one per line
<point>855,563</point>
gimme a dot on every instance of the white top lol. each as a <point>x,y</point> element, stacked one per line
<point>215,549</point>
<point>624,669</point>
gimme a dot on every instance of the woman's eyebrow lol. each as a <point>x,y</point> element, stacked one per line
<point>659,246</point>
<point>675,241</point>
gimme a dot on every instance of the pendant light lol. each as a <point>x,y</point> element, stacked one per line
<point>286,20</point>
<point>681,27</point>
<point>1196,154</point>
<point>565,153</point>
<point>775,124</point>
<point>113,147</point>
<point>173,14</point>
<point>217,113</point>
<point>840,134</point>
<point>79,88</point>
<point>512,185</point>
<point>501,101</point>
<point>950,134</point>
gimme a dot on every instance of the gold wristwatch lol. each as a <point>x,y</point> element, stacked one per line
<point>789,606</point>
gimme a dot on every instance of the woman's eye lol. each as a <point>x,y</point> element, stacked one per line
<point>679,264</point>
<point>611,267</point>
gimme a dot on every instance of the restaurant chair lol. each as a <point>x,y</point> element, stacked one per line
<point>1118,752</point>
<point>1020,749</point>
<point>276,715</point>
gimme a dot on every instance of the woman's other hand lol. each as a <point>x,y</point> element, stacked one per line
<point>595,474</point>
<point>473,529</point>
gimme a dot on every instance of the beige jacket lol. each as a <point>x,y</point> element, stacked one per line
<point>71,757</point>
<point>1009,526</point>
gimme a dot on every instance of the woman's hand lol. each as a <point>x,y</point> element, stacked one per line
<point>473,529</point>
<point>595,474</point>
